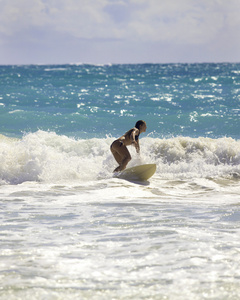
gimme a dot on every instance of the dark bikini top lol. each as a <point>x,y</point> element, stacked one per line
<point>130,132</point>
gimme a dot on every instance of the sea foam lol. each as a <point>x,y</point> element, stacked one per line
<point>48,157</point>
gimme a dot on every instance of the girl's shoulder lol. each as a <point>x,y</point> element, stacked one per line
<point>130,131</point>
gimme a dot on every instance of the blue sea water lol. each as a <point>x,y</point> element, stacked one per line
<point>70,230</point>
<point>94,101</point>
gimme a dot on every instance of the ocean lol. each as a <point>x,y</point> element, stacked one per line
<point>71,230</point>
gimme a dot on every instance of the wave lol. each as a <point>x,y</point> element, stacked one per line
<point>185,157</point>
<point>48,157</point>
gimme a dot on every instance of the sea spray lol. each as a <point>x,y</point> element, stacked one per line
<point>48,157</point>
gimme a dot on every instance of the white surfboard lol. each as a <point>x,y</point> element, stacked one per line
<point>138,173</point>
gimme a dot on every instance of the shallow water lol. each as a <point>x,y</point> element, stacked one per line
<point>116,239</point>
<point>70,230</point>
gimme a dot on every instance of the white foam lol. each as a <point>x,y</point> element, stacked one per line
<point>48,157</point>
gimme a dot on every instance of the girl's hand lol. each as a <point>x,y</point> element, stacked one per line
<point>136,146</point>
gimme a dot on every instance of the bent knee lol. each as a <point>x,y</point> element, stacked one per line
<point>128,158</point>
<point>128,155</point>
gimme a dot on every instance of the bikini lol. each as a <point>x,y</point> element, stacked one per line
<point>121,142</point>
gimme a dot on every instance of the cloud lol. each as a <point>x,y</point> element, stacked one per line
<point>17,16</point>
<point>189,23</point>
<point>155,20</point>
<point>185,21</point>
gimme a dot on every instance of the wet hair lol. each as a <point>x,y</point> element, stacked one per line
<point>139,123</point>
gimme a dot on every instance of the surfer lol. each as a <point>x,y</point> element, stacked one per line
<point>119,146</point>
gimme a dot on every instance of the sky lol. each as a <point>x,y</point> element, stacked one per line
<point>119,31</point>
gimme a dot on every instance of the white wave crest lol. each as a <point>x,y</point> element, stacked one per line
<point>48,157</point>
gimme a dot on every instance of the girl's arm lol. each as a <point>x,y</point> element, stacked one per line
<point>135,140</point>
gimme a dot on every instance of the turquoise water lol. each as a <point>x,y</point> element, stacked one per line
<point>71,230</point>
<point>94,101</point>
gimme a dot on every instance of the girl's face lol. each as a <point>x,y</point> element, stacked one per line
<point>143,127</point>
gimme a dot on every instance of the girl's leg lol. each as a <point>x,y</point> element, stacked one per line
<point>121,154</point>
<point>117,157</point>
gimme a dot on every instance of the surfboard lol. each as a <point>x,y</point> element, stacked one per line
<point>138,173</point>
